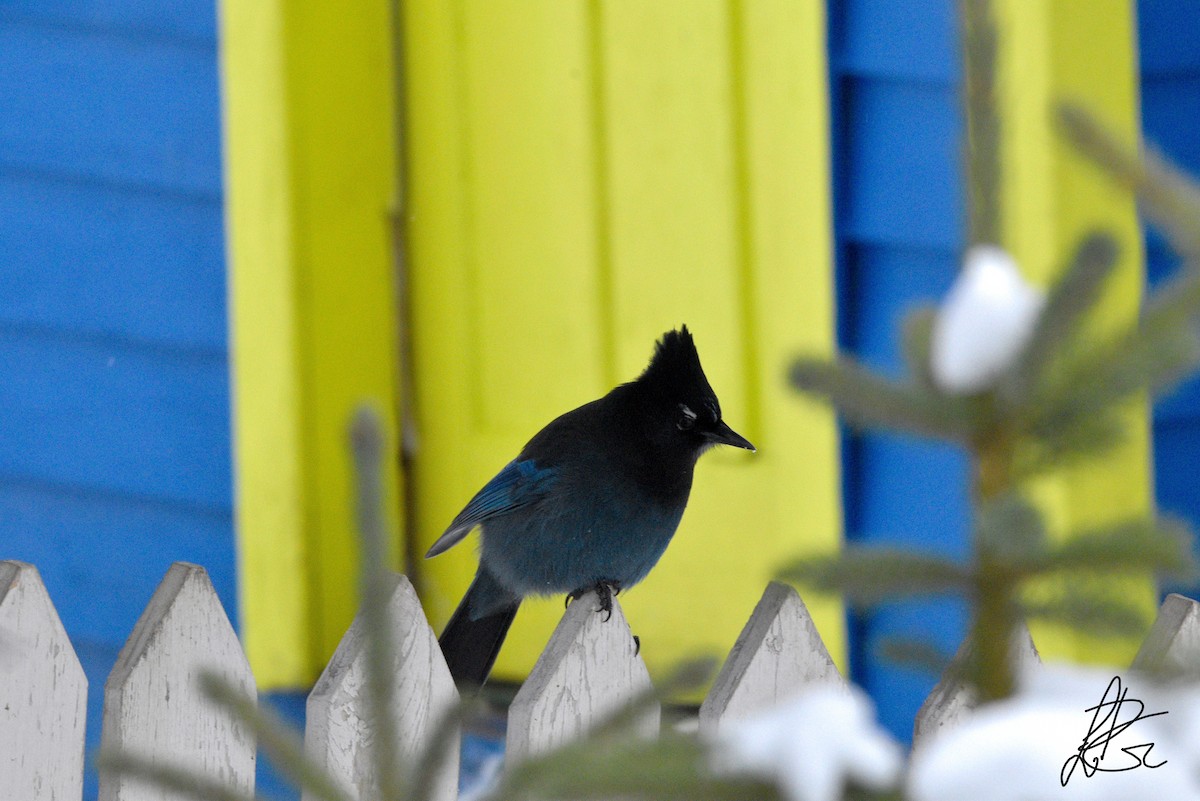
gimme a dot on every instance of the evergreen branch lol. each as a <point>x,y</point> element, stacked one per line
<point>1170,198</point>
<point>366,441</point>
<point>443,741</point>
<point>673,767</point>
<point>917,654</point>
<point>1090,611</point>
<point>1078,409</point>
<point>917,339</point>
<point>1076,437</point>
<point>1163,546</point>
<point>1010,531</point>
<point>1072,296</point>
<point>866,576</point>
<point>1174,303</point>
<point>867,400</point>
<point>275,738</point>
<point>983,122</point>
<point>169,778</point>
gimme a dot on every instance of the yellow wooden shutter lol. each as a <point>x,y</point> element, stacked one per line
<point>582,177</point>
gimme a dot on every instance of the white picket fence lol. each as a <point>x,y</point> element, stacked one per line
<point>153,706</point>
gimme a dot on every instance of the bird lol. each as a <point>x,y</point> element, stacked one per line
<point>590,503</point>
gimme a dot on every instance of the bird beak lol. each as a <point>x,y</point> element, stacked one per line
<point>724,435</point>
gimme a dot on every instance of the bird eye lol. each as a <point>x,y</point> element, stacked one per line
<point>687,418</point>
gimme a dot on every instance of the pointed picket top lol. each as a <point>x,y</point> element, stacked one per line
<point>153,704</point>
<point>338,732</point>
<point>778,653</point>
<point>590,669</point>
<point>953,698</point>
<point>1172,647</point>
<point>43,694</point>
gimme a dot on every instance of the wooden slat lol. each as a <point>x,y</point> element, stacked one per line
<point>153,704</point>
<point>43,694</point>
<point>778,653</point>
<point>590,668</point>
<point>1173,644</point>
<point>338,729</point>
<point>953,698</point>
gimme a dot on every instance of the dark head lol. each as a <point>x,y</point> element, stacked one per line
<point>685,410</point>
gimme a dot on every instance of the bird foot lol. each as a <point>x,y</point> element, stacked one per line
<point>605,590</point>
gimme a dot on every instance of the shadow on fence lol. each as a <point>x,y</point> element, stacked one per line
<point>153,705</point>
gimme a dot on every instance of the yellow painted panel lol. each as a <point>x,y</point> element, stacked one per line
<point>582,177</point>
<point>310,181</point>
<point>266,421</point>
<point>1084,52</point>
<point>502,248</point>
<point>530,213</point>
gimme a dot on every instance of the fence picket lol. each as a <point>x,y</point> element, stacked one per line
<point>1173,644</point>
<point>778,652</point>
<point>952,699</point>
<point>154,708</point>
<point>153,704</point>
<point>339,734</point>
<point>590,668</point>
<point>43,694</point>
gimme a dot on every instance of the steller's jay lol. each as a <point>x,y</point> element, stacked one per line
<point>590,502</point>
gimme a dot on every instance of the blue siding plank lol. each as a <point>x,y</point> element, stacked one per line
<point>1171,112</point>
<point>192,21</point>
<point>1167,32</point>
<point>101,555</point>
<point>110,417</point>
<point>914,41</point>
<point>902,166</point>
<point>882,284</point>
<point>77,104</point>
<point>126,264</point>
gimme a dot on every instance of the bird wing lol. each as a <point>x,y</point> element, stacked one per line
<point>520,483</point>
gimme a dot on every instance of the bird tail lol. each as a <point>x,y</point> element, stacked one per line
<point>471,642</point>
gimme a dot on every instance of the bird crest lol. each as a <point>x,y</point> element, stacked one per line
<point>675,366</point>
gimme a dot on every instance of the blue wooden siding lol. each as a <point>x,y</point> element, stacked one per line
<point>1170,85</point>
<point>115,457</point>
<point>898,229</point>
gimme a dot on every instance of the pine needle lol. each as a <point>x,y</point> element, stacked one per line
<point>1091,612</point>
<point>918,340</point>
<point>1010,530</point>
<point>1072,296</point>
<point>983,122</point>
<point>866,576</point>
<point>1169,197</point>
<point>168,778</point>
<point>674,767</point>
<point>1162,546</point>
<point>366,440</point>
<point>276,739</point>
<point>867,400</point>
<point>915,654</point>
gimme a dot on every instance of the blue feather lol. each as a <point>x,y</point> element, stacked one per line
<point>519,484</point>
